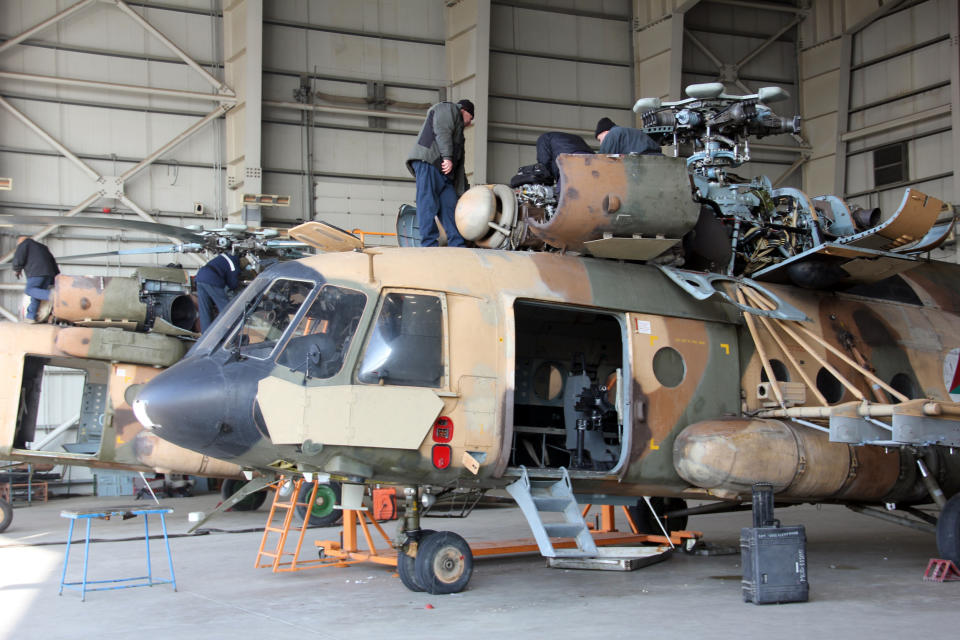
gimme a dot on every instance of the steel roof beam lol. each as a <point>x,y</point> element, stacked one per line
<point>49,22</point>
<point>113,86</point>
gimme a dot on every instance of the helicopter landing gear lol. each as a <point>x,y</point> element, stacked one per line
<point>437,562</point>
<point>6,515</point>
<point>948,530</point>
<point>444,563</point>
<point>406,563</point>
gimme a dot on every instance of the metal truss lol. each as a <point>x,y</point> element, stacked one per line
<point>114,186</point>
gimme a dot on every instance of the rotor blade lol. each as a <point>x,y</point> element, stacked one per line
<point>170,248</point>
<point>102,223</point>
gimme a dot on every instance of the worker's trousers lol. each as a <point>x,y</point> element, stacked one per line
<point>435,197</point>
<point>38,288</point>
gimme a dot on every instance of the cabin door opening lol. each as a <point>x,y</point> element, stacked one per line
<point>568,403</point>
<point>62,407</point>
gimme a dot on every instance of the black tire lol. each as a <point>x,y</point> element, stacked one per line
<point>444,563</point>
<point>647,524</point>
<point>6,515</point>
<point>407,567</point>
<point>322,512</point>
<point>948,530</point>
<point>251,503</point>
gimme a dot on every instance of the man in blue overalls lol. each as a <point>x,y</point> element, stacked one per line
<point>217,282</point>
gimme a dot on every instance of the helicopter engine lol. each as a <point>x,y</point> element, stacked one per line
<point>695,212</point>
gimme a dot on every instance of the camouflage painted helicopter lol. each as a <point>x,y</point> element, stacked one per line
<point>593,368</point>
<point>119,332</point>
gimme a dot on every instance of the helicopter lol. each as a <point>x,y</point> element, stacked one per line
<point>118,332</point>
<point>654,326</point>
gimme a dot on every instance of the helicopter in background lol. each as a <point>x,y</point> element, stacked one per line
<point>572,357</point>
<point>120,331</point>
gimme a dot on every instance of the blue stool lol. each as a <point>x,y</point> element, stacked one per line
<point>105,514</point>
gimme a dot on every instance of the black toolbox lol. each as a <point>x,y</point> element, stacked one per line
<point>774,558</point>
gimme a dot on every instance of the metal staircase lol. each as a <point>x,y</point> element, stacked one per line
<point>537,497</point>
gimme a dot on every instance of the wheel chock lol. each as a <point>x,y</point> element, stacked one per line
<point>939,570</point>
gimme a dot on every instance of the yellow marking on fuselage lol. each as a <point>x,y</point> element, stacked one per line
<point>653,339</point>
<point>725,347</point>
<point>653,445</point>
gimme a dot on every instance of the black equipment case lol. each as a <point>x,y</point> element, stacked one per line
<point>774,558</point>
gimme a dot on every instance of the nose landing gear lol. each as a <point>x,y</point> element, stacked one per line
<point>437,562</point>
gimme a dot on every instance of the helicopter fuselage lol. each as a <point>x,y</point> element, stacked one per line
<point>454,367</point>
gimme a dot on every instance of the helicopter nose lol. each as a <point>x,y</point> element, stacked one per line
<point>184,404</point>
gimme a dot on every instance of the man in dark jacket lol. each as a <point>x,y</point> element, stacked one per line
<point>217,282</point>
<point>436,161</point>
<point>553,143</point>
<point>41,267</point>
<point>624,140</point>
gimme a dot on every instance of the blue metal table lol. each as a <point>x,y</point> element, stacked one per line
<point>89,515</point>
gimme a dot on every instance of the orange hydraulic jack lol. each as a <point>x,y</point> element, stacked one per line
<point>346,552</point>
<point>607,525</point>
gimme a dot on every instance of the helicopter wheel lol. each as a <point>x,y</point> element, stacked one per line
<point>406,564</point>
<point>6,515</point>
<point>444,563</point>
<point>948,530</point>
<point>647,523</point>
<point>321,512</point>
<point>250,503</point>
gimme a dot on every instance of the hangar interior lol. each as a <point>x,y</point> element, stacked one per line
<point>174,111</point>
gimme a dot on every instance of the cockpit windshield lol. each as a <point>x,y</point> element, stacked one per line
<point>264,324</point>
<point>322,338</point>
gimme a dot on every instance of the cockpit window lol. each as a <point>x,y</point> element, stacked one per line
<point>272,313</point>
<point>406,347</point>
<point>321,340</point>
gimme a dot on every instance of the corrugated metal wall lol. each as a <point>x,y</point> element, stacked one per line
<point>352,54</point>
<point>876,75</point>
<point>555,67</point>
<point>901,65</point>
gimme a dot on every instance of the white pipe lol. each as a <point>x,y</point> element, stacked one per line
<point>765,6</point>
<point>53,435</point>
<point>346,110</point>
<point>33,126</point>
<point>219,86</point>
<point>113,86</point>
<point>897,123</point>
<point>518,126</point>
<point>46,23</point>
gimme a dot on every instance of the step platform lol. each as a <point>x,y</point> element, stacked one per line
<point>614,559</point>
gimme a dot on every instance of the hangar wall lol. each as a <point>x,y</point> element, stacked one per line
<point>878,81</point>
<point>530,65</point>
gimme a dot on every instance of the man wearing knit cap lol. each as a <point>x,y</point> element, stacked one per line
<point>436,161</point>
<point>623,140</point>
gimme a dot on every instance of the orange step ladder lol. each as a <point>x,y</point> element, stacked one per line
<point>287,506</point>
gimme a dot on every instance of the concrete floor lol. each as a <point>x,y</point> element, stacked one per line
<point>865,581</point>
